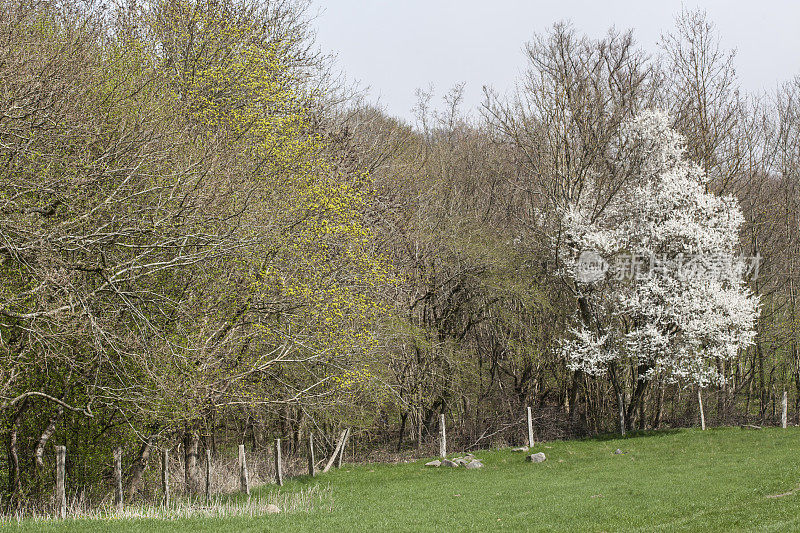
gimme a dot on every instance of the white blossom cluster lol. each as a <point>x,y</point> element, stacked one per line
<point>668,322</point>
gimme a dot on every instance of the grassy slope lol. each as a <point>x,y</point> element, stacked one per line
<point>688,480</point>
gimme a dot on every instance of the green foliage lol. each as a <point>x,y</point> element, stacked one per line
<point>179,237</point>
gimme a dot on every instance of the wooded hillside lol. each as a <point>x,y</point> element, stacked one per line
<point>206,240</point>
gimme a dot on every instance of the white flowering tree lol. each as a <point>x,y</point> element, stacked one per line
<point>651,255</point>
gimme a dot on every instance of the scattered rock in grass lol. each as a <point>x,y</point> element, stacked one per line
<point>520,449</point>
<point>474,465</point>
<point>272,509</point>
<point>468,461</point>
<point>790,493</point>
<point>536,458</point>
<point>617,452</point>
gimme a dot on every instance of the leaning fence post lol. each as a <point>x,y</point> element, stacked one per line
<point>278,461</point>
<point>442,437</point>
<point>61,493</point>
<point>530,428</point>
<point>165,476</point>
<point>208,474</point>
<point>118,478</point>
<point>312,467</point>
<point>785,410</point>
<point>244,480</point>
<point>344,445</point>
<point>336,451</point>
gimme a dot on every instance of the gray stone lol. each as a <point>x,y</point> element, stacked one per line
<point>448,462</point>
<point>617,452</point>
<point>461,461</point>
<point>474,464</point>
<point>272,509</point>
<point>520,449</point>
<point>434,463</point>
<point>536,458</point>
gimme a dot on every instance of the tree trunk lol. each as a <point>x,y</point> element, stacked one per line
<point>638,395</point>
<point>577,379</point>
<point>762,383</point>
<point>659,407</point>
<point>45,436</point>
<point>191,451</point>
<point>419,430</point>
<point>403,419</point>
<point>138,467</point>
<point>14,474</point>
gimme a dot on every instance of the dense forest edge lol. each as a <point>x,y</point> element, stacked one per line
<point>209,238</point>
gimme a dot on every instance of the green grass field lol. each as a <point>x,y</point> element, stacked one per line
<point>718,480</point>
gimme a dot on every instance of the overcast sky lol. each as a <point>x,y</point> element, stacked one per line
<point>395,47</point>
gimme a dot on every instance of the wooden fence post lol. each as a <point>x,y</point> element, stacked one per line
<point>344,445</point>
<point>785,410</point>
<point>118,478</point>
<point>165,476</point>
<point>442,437</point>
<point>208,474</point>
<point>702,414</point>
<point>61,473</point>
<point>530,428</point>
<point>278,461</point>
<point>335,451</point>
<point>312,467</point>
<point>244,479</point>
